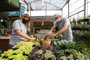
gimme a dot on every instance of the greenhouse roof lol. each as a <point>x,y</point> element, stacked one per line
<point>46,4</point>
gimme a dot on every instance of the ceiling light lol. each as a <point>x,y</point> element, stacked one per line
<point>1,20</point>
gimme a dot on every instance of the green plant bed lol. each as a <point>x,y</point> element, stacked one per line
<point>73,51</point>
<point>1,51</point>
<point>20,51</point>
<point>81,27</point>
<point>82,36</point>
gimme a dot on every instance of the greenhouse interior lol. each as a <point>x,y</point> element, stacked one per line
<point>44,29</point>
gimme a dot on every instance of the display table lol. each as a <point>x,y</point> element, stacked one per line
<point>4,42</point>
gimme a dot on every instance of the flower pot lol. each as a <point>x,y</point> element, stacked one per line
<point>46,42</point>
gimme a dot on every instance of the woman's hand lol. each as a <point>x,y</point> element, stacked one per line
<point>32,38</point>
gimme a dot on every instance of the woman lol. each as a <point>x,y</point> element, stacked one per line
<point>19,30</point>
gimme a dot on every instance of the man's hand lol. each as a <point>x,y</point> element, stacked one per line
<point>54,35</point>
<point>57,35</point>
<point>61,35</point>
<point>50,32</point>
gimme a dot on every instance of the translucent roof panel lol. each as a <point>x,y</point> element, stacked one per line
<point>46,4</point>
<point>43,13</point>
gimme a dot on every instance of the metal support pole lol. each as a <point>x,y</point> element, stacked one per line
<point>46,10</point>
<point>84,8</point>
<point>68,10</point>
<point>19,9</point>
<point>87,8</point>
<point>30,8</point>
<point>62,12</point>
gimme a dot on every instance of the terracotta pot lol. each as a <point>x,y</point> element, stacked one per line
<point>46,42</point>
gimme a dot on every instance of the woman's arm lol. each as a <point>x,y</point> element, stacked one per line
<point>23,34</point>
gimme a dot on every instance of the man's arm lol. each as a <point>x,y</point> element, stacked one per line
<point>51,30</point>
<point>62,30</point>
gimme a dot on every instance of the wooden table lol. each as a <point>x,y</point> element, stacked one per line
<point>4,42</point>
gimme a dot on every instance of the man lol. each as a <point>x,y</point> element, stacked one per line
<point>64,27</point>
